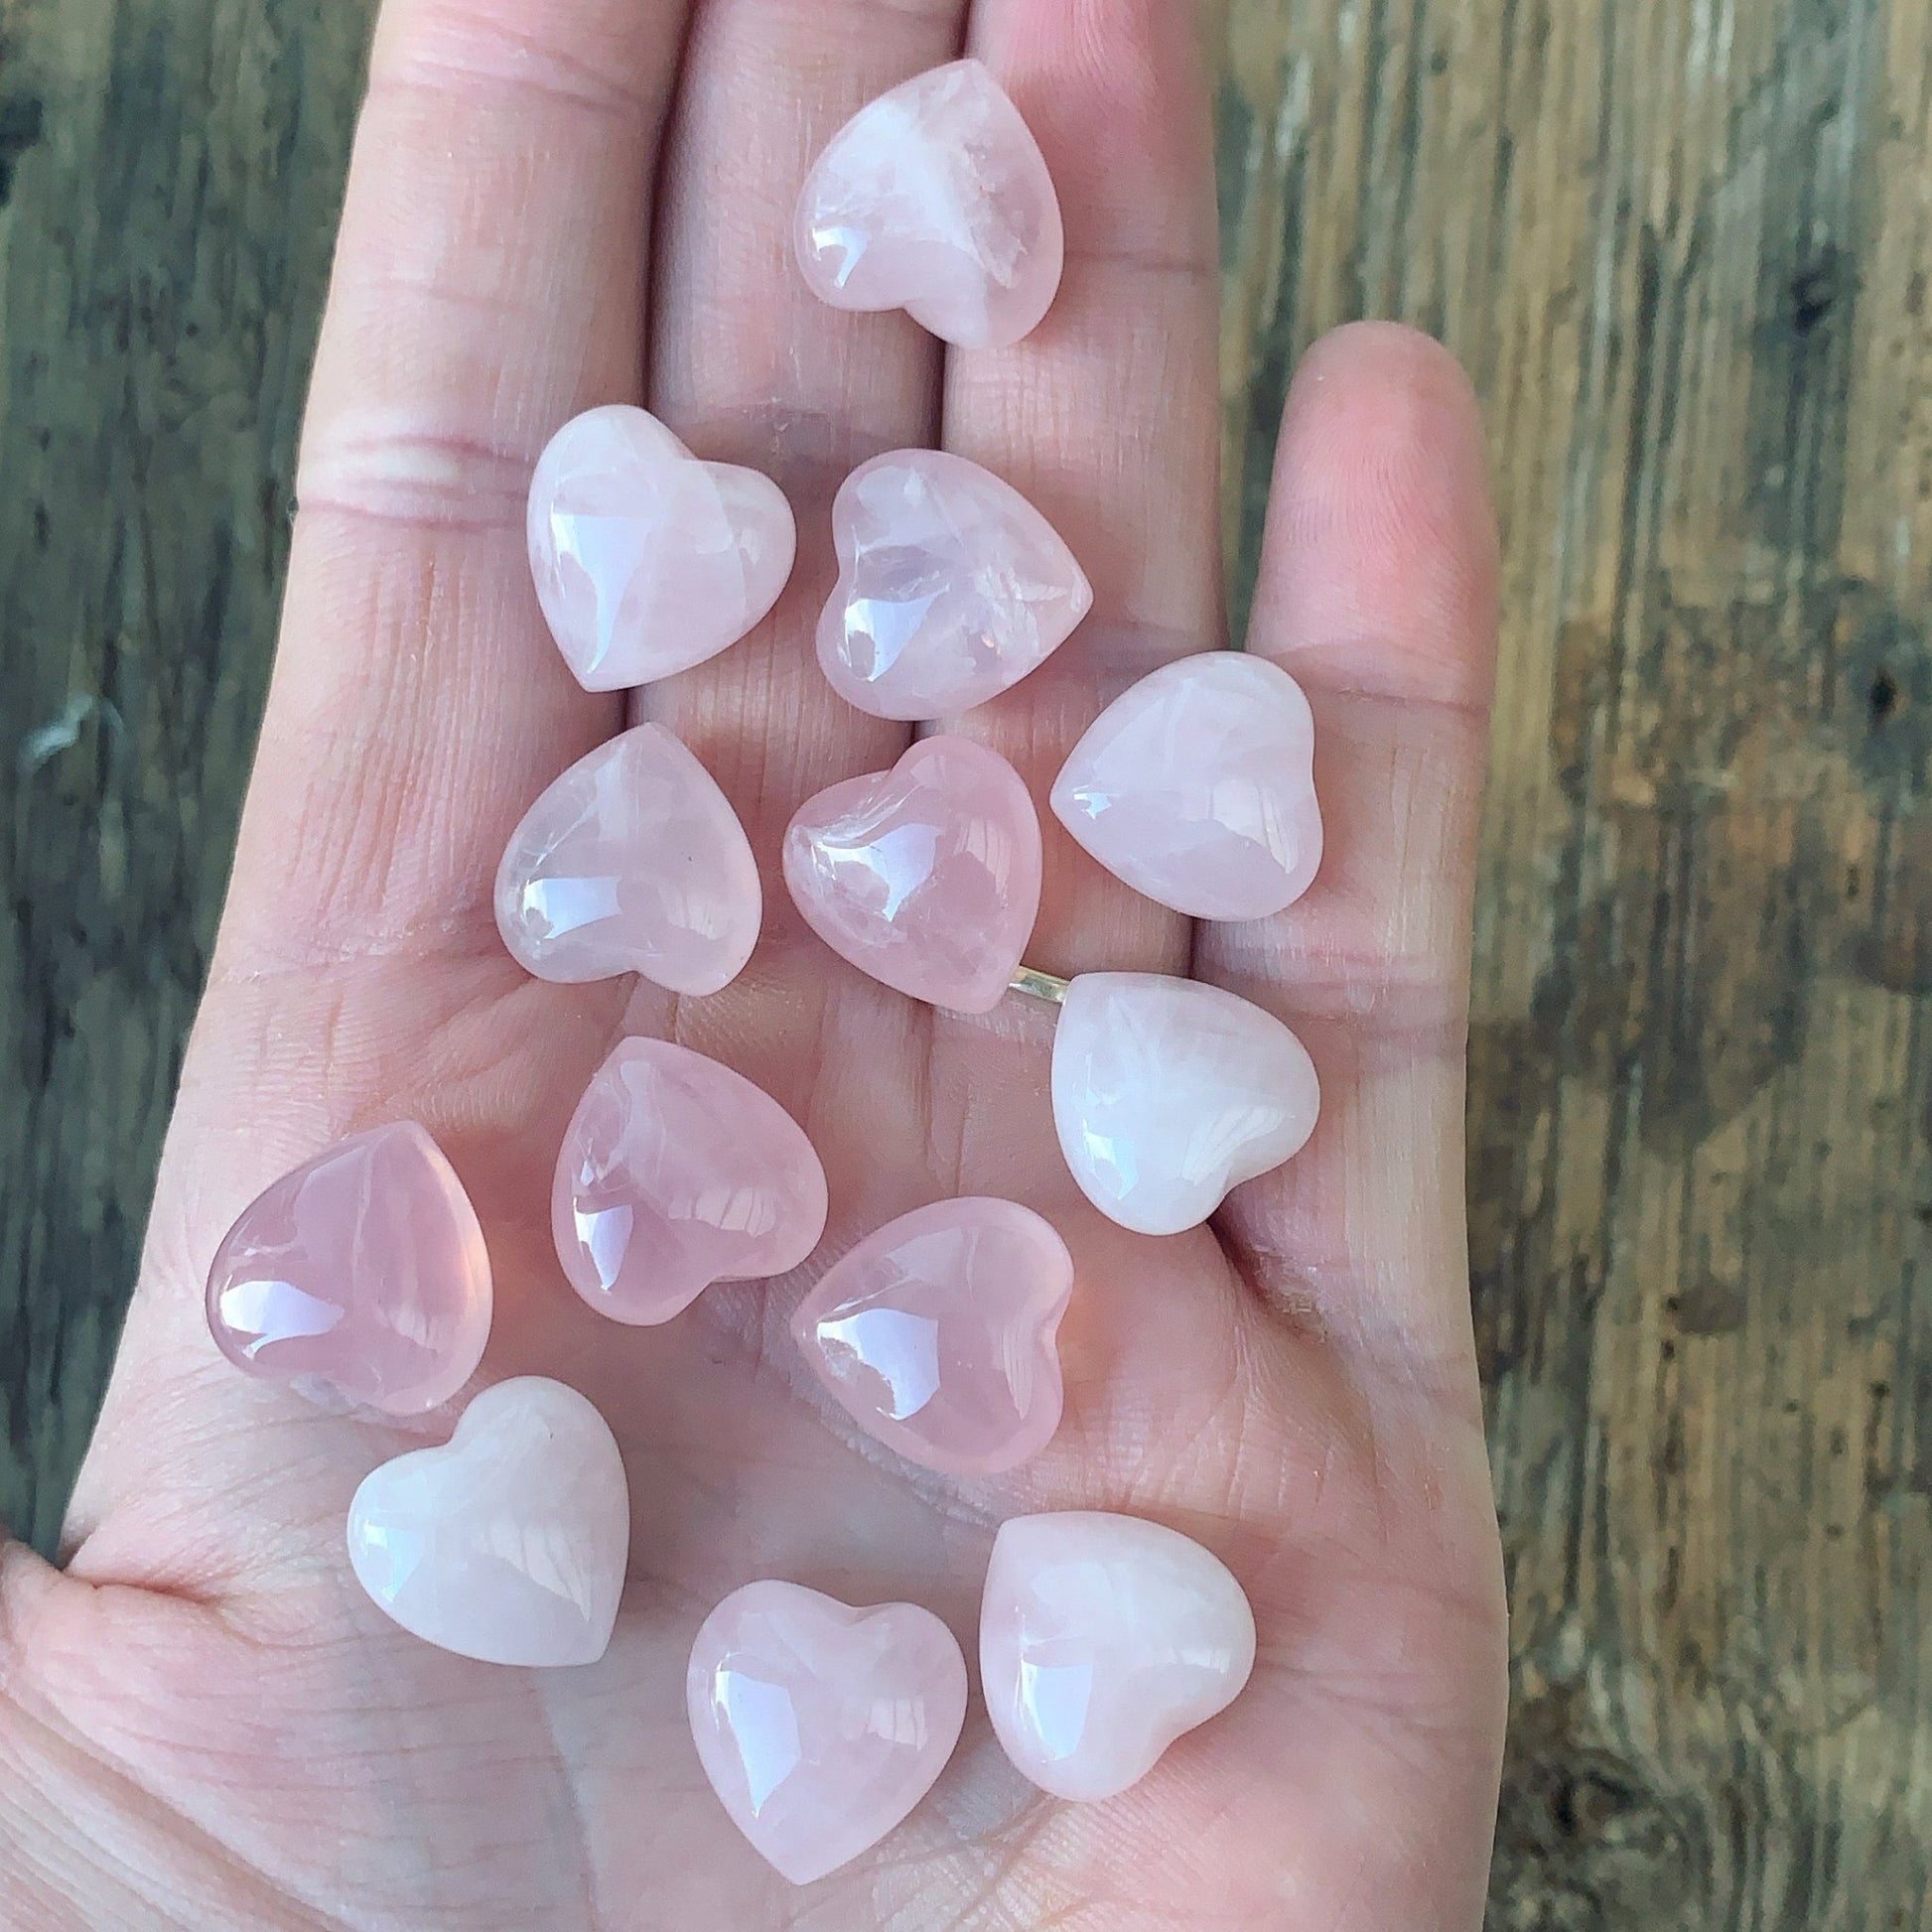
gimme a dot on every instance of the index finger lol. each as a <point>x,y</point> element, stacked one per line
<point>490,283</point>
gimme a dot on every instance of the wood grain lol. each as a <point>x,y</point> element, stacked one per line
<point>1684,247</point>
<point>169,175</point>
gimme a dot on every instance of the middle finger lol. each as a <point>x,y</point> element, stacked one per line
<point>750,367</point>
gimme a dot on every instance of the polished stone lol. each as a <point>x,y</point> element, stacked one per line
<point>507,1544</point>
<point>646,560</point>
<point>631,862</point>
<point>927,876</point>
<point>937,1334</point>
<point>951,587</point>
<point>1102,1639</point>
<point>1167,1093</point>
<point>360,1280</point>
<point>935,199</point>
<point>676,1173</point>
<point>821,1727</point>
<point>1196,786</point>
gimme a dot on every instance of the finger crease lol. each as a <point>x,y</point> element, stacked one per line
<point>516,65</point>
<point>416,478</point>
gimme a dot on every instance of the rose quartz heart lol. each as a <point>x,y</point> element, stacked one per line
<point>360,1280</point>
<point>632,861</point>
<point>1102,1639</point>
<point>938,1332</point>
<point>1167,1093</point>
<point>677,1173</point>
<point>647,561</point>
<point>821,1727</point>
<point>935,199</point>
<point>1196,786</point>
<point>927,876</point>
<point>508,1543</point>
<point>951,587</point>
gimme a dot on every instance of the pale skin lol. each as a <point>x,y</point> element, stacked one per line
<point>561,203</point>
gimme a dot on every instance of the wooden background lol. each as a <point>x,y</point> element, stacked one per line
<point>1684,247</point>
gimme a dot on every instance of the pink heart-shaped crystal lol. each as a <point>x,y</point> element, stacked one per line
<point>632,861</point>
<point>677,1173</point>
<point>821,1727</point>
<point>935,199</point>
<point>937,1334</point>
<point>927,876</point>
<point>360,1280</point>
<point>1102,1639</point>
<point>1167,1093</point>
<point>507,1544</point>
<point>951,587</point>
<point>1196,786</point>
<point>647,561</point>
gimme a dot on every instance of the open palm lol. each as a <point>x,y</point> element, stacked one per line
<point>561,203</point>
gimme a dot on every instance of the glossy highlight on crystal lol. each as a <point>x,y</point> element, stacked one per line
<point>1167,1093</point>
<point>646,560</point>
<point>676,1173</point>
<point>1103,1638</point>
<point>508,1543</point>
<point>360,1280</point>
<point>821,1727</point>
<point>951,587</point>
<point>631,862</point>
<point>927,876</point>
<point>937,1334</point>
<point>935,199</point>
<point>1196,786</point>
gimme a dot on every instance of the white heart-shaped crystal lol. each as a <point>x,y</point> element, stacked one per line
<point>508,1543</point>
<point>951,587</point>
<point>1196,786</point>
<point>631,862</point>
<point>935,199</point>
<point>1167,1093</point>
<point>927,876</point>
<point>646,560</point>
<point>819,1725</point>
<point>1102,1639</point>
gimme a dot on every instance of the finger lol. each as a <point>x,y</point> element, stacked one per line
<point>1107,417</point>
<point>1378,592</point>
<point>752,367</point>
<point>488,283</point>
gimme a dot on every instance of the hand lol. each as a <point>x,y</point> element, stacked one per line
<point>559,202</point>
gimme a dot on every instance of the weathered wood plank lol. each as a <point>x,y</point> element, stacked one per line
<point>170,170</point>
<point>1684,245</point>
